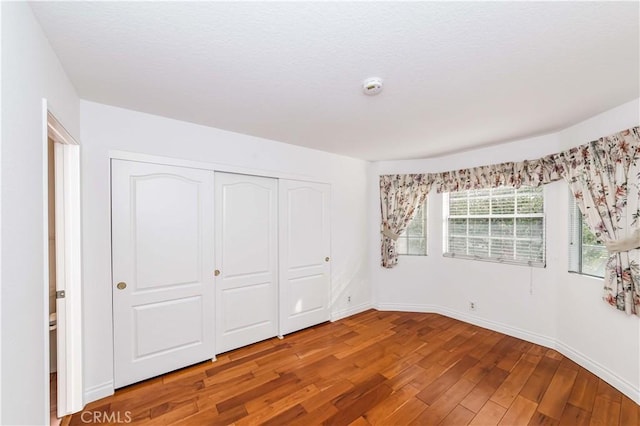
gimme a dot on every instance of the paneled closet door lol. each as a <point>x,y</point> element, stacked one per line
<point>246,259</point>
<point>163,293</point>
<point>305,274</point>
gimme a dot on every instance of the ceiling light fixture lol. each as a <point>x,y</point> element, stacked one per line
<point>372,86</point>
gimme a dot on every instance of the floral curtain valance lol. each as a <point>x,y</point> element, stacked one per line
<point>534,172</point>
<point>528,173</point>
<point>603,176</point>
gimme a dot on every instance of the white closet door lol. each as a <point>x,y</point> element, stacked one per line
<point>246,260</point>
<point>163,294</point>
<point>304,254</point>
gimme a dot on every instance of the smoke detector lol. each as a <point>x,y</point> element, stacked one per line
<point>372,86</point>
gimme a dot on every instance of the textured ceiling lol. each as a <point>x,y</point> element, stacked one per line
<point>457,75</point>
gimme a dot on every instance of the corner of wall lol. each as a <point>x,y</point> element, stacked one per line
<point>347,312</point>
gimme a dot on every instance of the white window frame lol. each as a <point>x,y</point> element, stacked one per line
<point>490,216</point>
<point>576,249</point>
<point>425,217</point>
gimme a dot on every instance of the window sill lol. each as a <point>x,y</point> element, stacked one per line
<point>494,260</point>
<point>582,274</point>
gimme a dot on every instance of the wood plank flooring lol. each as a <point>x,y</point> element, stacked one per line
<point>53,400</point>
<point>377,368</point>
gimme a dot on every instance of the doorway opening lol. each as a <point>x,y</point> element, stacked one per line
<point>53,367</point>
<point>63,286</point>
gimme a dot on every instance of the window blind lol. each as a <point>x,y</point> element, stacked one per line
<point>587,255</point>
<point>500,224</point>
<point>413,241</point>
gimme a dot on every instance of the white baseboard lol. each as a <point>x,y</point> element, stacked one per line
<point>106,389</point>
<point>576,356</point>
<point>97,392</point>
<point>472,319</point>
<point>337,315</point>
<point>600,370</point>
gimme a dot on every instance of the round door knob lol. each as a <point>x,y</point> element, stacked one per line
<point>216,272</point>
<point>326,259</point>
<point>121,285</point>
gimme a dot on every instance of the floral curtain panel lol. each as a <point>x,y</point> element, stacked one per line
<point>400,196</point>
<point>603,176</point>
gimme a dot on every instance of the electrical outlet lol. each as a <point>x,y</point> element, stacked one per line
<point>348,299</point>
<point>472,306</point>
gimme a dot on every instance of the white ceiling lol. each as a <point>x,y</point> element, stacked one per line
<point>457,75</point>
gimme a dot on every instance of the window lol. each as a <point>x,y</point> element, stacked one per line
<point>499,224</point>
<point>413,241</point>
<point>587,255</point>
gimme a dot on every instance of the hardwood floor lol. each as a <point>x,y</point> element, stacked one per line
<point>386,368</point>
<point>53,400</point>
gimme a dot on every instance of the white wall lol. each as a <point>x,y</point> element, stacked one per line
<point>0,213</point>
<point>545,305</point>
<point>107,128</point>
<point>30,72</point>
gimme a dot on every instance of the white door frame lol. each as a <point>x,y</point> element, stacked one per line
<point>68,266</point>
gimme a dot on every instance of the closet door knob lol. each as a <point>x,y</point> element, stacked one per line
<point>121,285</point>
<point>326,259</point>
<point>216,272</point>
